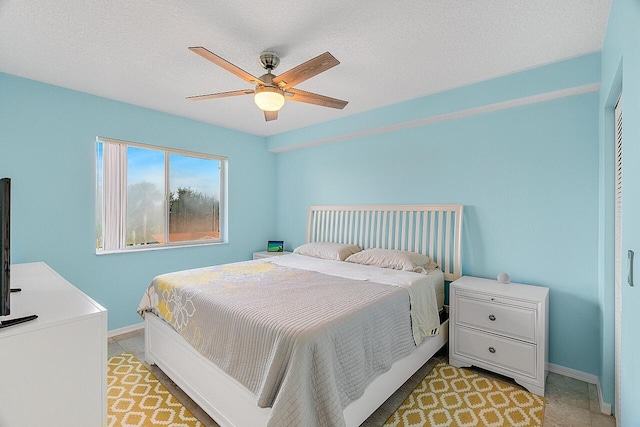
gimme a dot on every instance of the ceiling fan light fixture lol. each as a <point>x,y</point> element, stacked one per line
<point>268,98</point>
<point>270,90</point>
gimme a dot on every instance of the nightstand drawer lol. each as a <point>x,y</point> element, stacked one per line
<point>513,321</point>
<point>516,356</point>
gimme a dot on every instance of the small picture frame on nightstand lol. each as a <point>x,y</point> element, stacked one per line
<point>275,246</point>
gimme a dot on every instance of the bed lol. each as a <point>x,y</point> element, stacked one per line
<point>322,379</point>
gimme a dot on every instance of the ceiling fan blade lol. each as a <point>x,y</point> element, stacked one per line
<point>306,70</point>
<point>206,54</point>
<point>313,98</point>
<point>270,115</point>
<point>220,95</point>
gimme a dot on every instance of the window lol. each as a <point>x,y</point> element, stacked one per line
<point>149,196</point>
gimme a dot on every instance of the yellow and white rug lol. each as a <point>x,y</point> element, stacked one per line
<point>451,396</point>
<point>136,398</point>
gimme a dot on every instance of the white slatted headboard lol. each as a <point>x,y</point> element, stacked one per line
<point>433,230</point>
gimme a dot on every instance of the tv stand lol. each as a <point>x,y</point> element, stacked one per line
<point>57,359</point>
<point>17,321</point>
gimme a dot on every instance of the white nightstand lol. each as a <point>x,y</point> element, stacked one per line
<point>265,254</point>
<point>500,327</point>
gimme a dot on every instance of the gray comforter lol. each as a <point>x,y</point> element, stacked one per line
<point>305,343</point>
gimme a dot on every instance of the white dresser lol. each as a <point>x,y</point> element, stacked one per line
<point>500,327</point>
<point>54,368</point>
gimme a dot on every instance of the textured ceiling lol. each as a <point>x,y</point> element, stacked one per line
<point>136,51</point>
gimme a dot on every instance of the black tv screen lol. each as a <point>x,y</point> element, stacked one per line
<point>5,229</point>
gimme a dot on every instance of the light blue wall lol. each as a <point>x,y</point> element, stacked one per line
<point>621,72</point>
<point>47,137</point>
<point>528,178</point>
<point>579,71</point>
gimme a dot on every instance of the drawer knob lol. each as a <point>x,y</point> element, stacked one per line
<point>492,350</point>
<point>492,317</point>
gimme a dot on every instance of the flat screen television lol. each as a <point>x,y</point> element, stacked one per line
<point>5,257</point>
<point>5,260</point>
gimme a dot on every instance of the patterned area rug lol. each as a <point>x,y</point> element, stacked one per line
<point>451,396</point>
<point>135,397</point>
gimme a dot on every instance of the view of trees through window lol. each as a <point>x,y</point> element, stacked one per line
<point>193,216</point>
<point>171,197</point>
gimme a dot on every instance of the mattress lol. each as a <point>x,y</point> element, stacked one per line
<point>434,279</point>
<point>305,336</point>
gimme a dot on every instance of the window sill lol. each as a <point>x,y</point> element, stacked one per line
<point>145,248</point>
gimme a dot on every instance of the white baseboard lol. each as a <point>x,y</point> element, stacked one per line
<point>130,328</point>
<point>605,407</point>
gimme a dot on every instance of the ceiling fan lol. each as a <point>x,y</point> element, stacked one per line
<point>271,90</point>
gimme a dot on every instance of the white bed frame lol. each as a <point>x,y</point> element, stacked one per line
<point>433,230</point>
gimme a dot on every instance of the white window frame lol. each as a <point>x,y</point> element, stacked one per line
<point>121,220</point>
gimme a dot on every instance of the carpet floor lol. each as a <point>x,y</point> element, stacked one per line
<point>451,396</point>
<point>136,398</point>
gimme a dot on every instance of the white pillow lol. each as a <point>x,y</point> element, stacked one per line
<point>391,258</point>
<point>327,250</point>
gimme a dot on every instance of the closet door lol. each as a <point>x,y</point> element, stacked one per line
<point>618,256</point>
